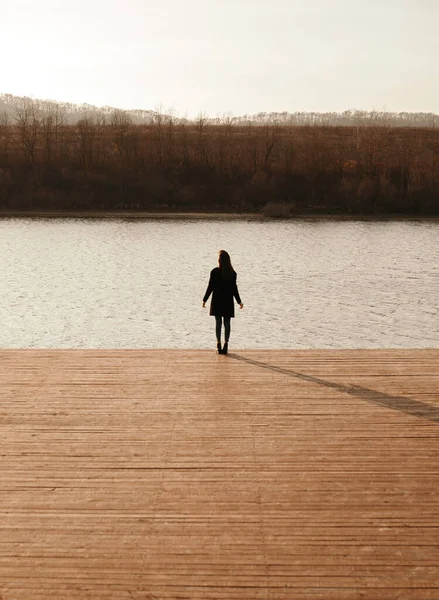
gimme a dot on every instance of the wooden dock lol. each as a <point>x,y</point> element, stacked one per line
<point>263,475</point>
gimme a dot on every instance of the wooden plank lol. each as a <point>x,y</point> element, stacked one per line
<point>275,475</point>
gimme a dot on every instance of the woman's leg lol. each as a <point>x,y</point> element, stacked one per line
<point>227,328</point>
<point>218,327</point>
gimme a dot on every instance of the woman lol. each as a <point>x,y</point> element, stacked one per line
<point>222,284</point>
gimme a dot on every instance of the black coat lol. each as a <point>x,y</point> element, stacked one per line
<point>223,291</point>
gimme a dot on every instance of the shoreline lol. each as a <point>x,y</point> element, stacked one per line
<point>125,215</point>
<point>41,214</point>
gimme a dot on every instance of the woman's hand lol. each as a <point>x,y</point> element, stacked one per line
<point>204,305</point>
<point>241,305</point>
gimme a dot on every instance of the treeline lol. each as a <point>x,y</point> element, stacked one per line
<point>357,118</point>
<point>72,113</point>
<point>351,118</point>
<point>105,162</point>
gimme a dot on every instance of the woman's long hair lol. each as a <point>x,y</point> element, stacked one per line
<point>225,265</point>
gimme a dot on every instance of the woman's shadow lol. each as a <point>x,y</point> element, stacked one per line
<point>409,406</point>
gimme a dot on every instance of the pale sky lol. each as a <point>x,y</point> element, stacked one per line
<point>224,56</point>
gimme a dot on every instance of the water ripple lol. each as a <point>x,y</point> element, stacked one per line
<point>139,284</point>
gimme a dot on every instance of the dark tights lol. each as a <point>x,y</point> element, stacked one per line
<point>226,327</point>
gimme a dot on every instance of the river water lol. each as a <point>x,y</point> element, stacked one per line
<point>72,283</point>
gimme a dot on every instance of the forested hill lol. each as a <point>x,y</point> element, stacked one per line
<point>106,160</point>
<point>72,113</point>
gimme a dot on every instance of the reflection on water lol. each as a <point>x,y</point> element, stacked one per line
<point>139,284</point>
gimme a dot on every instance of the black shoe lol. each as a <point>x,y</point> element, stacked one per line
<point>218,348</point>
<point>225,348</point>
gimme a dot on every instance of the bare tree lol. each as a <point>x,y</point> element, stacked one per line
<point>53,119</point>
<point>5,135</point>
<point>201,125</point>
<point>28,125</point>
<point>120,123</point>
<point>87,142</point>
